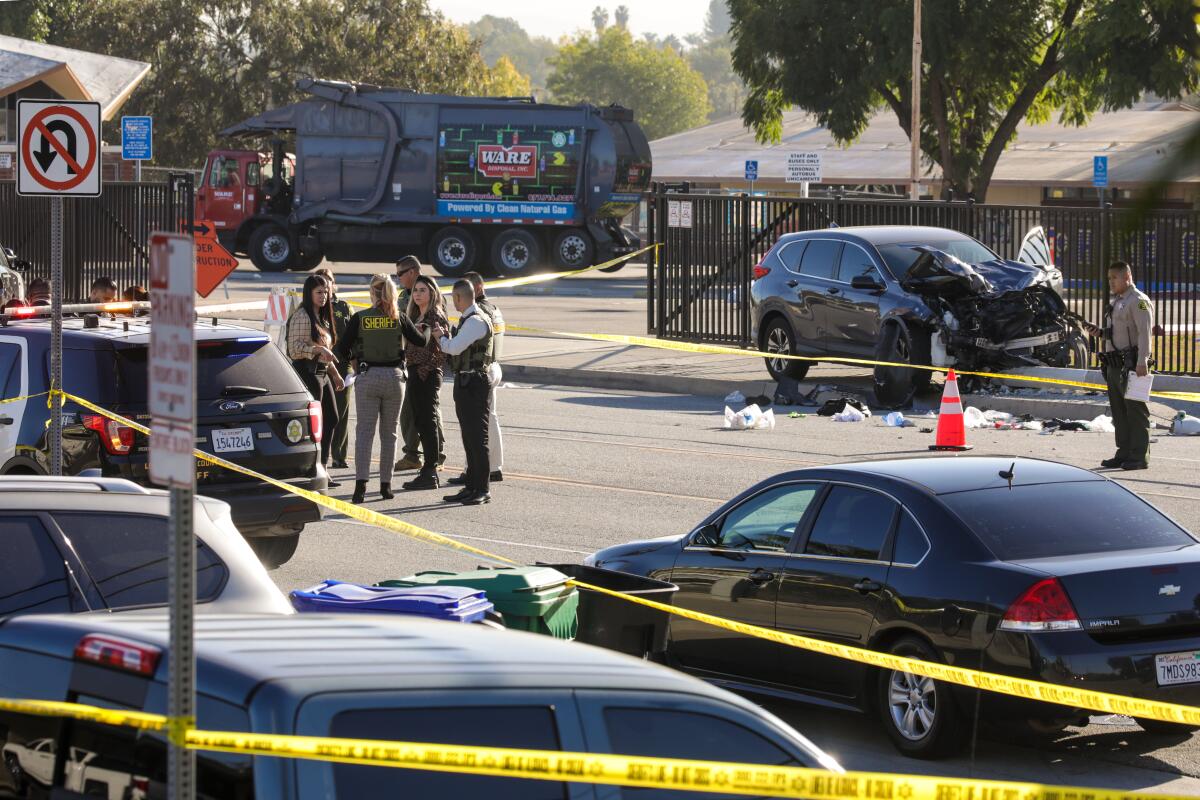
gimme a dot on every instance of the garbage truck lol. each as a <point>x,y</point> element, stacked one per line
<point>499,185</point>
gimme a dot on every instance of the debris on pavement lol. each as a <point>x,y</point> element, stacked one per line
<point>896,420</point>
<point>797,415</point>
<point>750,418</point>
<point>735,398</point>
<point>850,414</point>
<point>836,405</point>
<point>1184,425</point>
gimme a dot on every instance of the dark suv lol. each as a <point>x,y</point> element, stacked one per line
<point>252,409</point>
<point>911,295</point>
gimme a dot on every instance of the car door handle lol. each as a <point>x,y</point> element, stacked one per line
<point>761,575</point>
<point>833,290</point>
<point>6,420</point>
<point>867,585</point>
<point>793,284</point>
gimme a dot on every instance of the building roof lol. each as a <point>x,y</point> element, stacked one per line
<point>1136,141</point>
<point>74,74</point>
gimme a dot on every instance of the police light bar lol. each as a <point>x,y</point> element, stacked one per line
<point>29,312</point>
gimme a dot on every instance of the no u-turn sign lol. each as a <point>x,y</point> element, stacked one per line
<point>59,148</point>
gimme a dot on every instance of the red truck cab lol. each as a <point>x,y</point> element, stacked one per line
<point>233,188</point>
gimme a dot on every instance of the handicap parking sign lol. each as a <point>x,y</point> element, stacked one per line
<point>1100,171</point>
<point>751,170</point>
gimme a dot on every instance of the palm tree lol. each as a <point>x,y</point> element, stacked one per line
<point>599,19</point>
<point>621,16</point>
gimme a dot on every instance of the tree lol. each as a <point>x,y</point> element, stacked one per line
<point>621,17</point>
<point>711,55</point>
<point>502,37</point>
<point>505,80</point>
<point>599,19</point>
<point>987,65</point>
<point>216,62</point>
<point>665,94</point>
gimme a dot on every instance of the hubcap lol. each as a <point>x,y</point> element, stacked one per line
<point>276,248</point>
<point>514,255</point>
<point>452,252</point>
<point>572,250</point>
<point>912,703</point>
<point>777,342</point>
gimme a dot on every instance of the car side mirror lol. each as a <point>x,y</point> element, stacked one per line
<point>866,283</point>
<point>708,536</point>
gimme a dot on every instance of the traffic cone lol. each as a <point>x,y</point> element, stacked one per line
<point>951,433</point>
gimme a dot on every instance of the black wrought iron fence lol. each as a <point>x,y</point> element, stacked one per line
<point>699,283</point>
<point>106,235</point>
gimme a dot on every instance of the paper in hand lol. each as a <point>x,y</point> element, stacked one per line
<point>1138,388</point>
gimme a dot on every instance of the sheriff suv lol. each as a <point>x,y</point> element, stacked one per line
<point>251,409</point>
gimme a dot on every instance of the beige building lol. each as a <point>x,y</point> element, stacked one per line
<point>1048,164</point>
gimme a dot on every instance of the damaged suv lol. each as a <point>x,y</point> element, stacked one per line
<point>908,295</point>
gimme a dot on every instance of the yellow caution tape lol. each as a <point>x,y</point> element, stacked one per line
<point>525,280</point>
<point>715,349</point>
<point>22,397</point>
<point>106,716</point>
<point>1003,684</point>
<point>681,774</point>
<point>341,506</point>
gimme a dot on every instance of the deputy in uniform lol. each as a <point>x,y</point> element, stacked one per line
<point>341,319</point>
<point>495,376</point>
<point>470,352</point>
<point>374,344</point>
<point>1129,321</point>
<point>408,269</point>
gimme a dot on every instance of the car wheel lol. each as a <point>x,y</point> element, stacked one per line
<point>918,713</point>
<point>516,252</point>
<point>14,769</point>
<point>573,249</point>
<point>779,338</point>
<point>895,386</point>
<point>1075,353</point>
<point>452,251</point>
<point>1158,727</point>
<point>271,249</point>
<point>275,551</point>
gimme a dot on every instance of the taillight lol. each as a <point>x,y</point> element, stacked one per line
<point>1043,607</point>
<point>116,438</point>
<point>760,271</point>
<point>23,311</point>
<point>315,420</point>
<point>110,651</point>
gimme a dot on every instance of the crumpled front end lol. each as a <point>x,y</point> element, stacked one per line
<point>993,315</point>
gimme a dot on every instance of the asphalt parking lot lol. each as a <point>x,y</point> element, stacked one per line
<point>589,468</point>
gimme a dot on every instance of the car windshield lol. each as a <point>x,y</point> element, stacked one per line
<point>1064,519</point>
<point>900,257</point>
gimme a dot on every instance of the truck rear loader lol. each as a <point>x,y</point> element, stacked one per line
<point>503,185</point>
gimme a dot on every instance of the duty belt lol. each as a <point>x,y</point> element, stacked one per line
<point>363,366</point>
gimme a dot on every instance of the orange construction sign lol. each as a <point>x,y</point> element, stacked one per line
<point>213,262</point>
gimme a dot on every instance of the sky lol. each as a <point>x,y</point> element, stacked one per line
<point>552,18</point>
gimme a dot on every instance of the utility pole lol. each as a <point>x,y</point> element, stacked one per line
<point>915,124</point>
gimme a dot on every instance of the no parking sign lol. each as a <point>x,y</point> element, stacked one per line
<point>58,149</point>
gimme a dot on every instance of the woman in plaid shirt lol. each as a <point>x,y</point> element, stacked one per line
<point>425,377</point>
<point>311,335</point>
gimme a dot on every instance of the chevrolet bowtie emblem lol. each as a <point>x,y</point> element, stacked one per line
<point>1170,590</point>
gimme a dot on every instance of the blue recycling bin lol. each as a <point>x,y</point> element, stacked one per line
<point>452,603</point>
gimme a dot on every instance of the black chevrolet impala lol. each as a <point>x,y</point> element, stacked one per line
<point>1016,566</point>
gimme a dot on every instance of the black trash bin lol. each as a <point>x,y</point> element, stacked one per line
<point>618,624</point>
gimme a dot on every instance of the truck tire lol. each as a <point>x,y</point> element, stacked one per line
<point>452,251</point>
<point>516,252</point>
<point>274,551</point>
<point>271,250</point>
<point>310,261</point>
<point>573,249</point>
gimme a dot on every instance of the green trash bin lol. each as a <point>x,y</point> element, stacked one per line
<point>535,599</point>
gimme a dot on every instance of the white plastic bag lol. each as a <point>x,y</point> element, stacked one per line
<point>750,418</point>
<point>1101,424</point>
<point>896,420</point>
<point>1184,425</point>
<point>974,418</point>
<point>735,398</point>
<point>849,414</point>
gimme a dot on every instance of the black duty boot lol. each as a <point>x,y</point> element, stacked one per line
<point>426,480</point>
<point>385,491</point>
<point>360,492</point>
